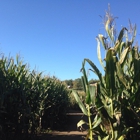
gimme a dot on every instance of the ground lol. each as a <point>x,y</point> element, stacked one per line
<point>70,130</point>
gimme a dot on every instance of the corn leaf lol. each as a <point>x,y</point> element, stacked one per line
<point>117,46</point>
<point>106,138</point>
<point>96,121</point>
<point>121,138</point>
<point>80,123</point>
<point>108,105</point>
<point>110,69</point>
<point>96,71</point>
<point>81,105</point>
<point>120,37</point>
<point>123,55</point>
<point>92,91</point>
<point>83,83</point>
<point>122,45</point>
<point>99,53</point>
<point>86,85</point>
<point>109,31</point>
<point>121,75</point>
<point>102,40</point>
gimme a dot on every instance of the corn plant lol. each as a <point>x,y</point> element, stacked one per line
<point>89,105</point>
<point>56,104</point>
<point>12,98</point>
<point>28,100</point>
<point>117,99</point>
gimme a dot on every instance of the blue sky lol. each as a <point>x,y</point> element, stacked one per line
<point>54,36</point>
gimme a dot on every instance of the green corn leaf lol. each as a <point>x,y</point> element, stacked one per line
<point>121,137</point>
<point>21,70</point>
<point>115,134</point>
<point>106,138</point>
<point>123,55</point>
<point>136,66</point>
<point>92,91</point>
<point>99,53</point>
<point>121,75</point>
<point>102,40</point>
<point>99,138</point>
<point>96,71</point>
<point>84,73</point>
<point>86,85</point>
<point>110,69</point>
<point>117,46</point>
<point>122,45</point>
<point>109,31</point>
<point>120,37</point>
<point>126,93</point>
<point>96,121</point>
<point>108,105</point>
<point>81,105</point>
<point>83,83</point>
<point>88,98</point>
<point>80,123</point>
<point>104,91</point>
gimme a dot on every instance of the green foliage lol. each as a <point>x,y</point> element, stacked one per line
<point>90,92</point>
<point>73,104</point>
<point>69,82</point>
<point>116,98</point>
<point>74,84</point>
<point>29,101</point>
<point>93,81</point>
<point>77,84</point>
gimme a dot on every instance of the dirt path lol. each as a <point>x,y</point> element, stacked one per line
<point>70,130</point>
<point>72,135</point>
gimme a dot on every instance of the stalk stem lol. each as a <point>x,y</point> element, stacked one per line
<point>90,124</point>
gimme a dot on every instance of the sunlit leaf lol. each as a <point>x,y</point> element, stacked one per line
<point>81,105</point>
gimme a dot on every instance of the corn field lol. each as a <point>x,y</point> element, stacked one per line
<point>116,97</point>
<point>29,101</point>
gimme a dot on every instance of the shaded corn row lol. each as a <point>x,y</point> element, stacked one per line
<point>29,101</point>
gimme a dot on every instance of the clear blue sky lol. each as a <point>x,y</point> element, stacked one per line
<point>56,35</point>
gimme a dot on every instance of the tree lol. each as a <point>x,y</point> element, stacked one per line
<point>69,82</point>
<point>77,84</point>
<point>93,81</point>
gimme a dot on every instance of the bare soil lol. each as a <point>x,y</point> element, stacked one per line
<point>69,131</point>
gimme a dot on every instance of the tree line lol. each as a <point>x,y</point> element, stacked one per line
<point>77,83</point>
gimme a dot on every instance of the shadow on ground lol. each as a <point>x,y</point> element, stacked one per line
<point>61,137</point>
<point>69,131</point>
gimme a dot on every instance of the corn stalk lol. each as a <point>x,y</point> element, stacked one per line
<point>29,101</point>
<point>117,100</point>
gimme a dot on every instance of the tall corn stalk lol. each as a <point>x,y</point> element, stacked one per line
<point>117,99</point>
<point>28,99</point>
